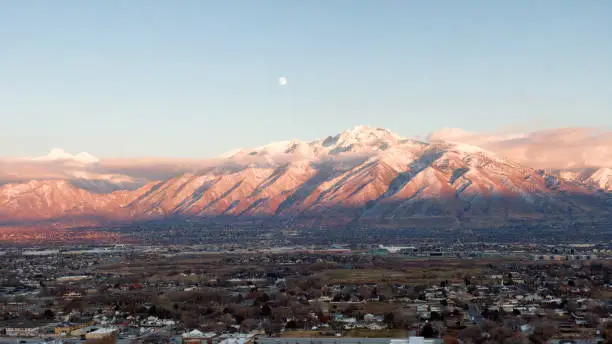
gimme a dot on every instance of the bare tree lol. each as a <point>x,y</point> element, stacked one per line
<point>190,320</point>
<point>471,334</point>
<point>249,324</point>
<point>542,332</point>
<point>271,327</point>
<point>501,334</point>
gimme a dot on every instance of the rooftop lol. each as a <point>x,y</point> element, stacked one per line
<point>104,330</point>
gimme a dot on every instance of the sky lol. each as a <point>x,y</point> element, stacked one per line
<point>198,78</point>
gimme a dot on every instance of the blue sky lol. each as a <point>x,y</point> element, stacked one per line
<point>197,78</point>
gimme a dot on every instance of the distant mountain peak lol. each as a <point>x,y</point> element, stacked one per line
<point>360,140</point>
<point>362,132</point>
<point>602,178</point>
<point>364,129</point>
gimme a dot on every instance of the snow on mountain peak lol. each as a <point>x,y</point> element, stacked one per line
<point>230,153</point>
<point>602,178</point>
<point>359,141</point>
<point>274,147</point>
<point>58,154</point>
<point>469,149</point>
<point>365,132</point>
<point>353,145</point>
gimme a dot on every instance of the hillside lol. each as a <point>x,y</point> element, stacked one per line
<point>361,177</point>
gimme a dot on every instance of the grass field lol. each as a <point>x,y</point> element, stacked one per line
<point>392,270</point>
<point>420,275</point>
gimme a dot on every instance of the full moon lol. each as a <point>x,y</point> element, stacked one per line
<point>282,81</point>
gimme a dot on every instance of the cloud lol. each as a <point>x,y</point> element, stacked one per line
<point>152,169</point>
<point>82,167</point>
<point>561,148</point>
<point>58,154</point>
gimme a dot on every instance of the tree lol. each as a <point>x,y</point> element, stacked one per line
<point>592,319</point>
<point>404,319</point>
<point>435,316</point>
<point>249,324</point>
<point>542,332</point>
<point>190,320</point>
<point>389,320</point>
<point>291,325</point>
<point>427,331</point>
<point>73,305</point>
<point>48,314</point>
<point>471,334</point>
<point>271,327</point>
<point>517,340</point>
<point>608,333</point>
<point>501,334</point>
<point>571,307</point>
<point>266,311</point>
<point>228,320</point>
<point>154,339</point>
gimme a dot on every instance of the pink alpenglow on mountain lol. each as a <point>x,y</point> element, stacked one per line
<point>361,177</point>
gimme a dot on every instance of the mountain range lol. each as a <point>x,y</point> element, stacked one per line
<point>363,177</point>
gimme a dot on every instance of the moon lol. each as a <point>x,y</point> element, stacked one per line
<point>282,81</point>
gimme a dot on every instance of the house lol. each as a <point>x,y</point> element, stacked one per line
<point>72,294</point>
<point>21,328</point>
<point>199,337</point>
<point>102,336</point>
<point>69,327</point>
<point>238,338</point>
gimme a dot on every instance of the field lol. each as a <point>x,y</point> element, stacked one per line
<point>390,270</point>
<point>410,272</point>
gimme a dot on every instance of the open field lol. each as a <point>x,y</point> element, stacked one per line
<point>358,269</point>
<point>412,272</point>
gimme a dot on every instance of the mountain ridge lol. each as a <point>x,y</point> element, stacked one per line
<point>361,177</point>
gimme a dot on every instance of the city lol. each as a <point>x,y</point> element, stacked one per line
<point>180,294</point>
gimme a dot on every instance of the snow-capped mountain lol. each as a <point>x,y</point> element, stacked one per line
<point>82,169</point>
<point>358,142</point>
<point>601,178</point>
<point>361,177</point>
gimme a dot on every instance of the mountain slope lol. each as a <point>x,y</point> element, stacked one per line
<point>58,199</point>
<point>602,178</point>
<point>361,177</point>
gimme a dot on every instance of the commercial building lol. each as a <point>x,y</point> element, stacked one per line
<point>199,337</point>
<point>102,336</point>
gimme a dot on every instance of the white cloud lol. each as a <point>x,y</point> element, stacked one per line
<point>562,148</point>
<point>58,154</point>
